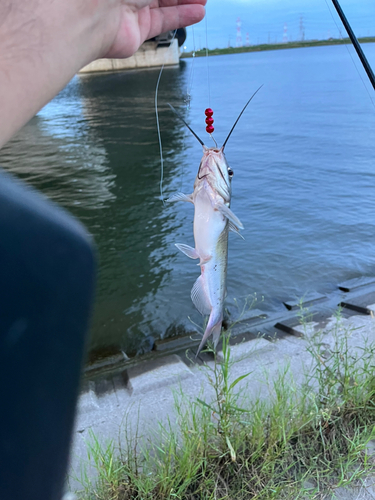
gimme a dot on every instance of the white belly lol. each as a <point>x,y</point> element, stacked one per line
<point>211,243</point>
<point>208,224</point>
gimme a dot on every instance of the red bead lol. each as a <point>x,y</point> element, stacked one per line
<point>210,129</point>
<point>209,120</point>
<point>208,112</point>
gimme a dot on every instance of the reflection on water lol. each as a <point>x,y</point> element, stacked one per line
<point>94,150</point>
<point>303,183</point>
<point>62,156</point>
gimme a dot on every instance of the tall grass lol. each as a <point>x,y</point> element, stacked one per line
<point>296,443</point>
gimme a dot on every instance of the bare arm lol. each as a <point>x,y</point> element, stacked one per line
<point>43,43</point>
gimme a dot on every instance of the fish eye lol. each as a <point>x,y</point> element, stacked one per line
<point>230,172</point>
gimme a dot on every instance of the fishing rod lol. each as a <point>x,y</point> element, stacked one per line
<point>355,42</point>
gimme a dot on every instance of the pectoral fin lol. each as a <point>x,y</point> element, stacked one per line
<point>187,250</point>
<point>227,212</point>
<point>199,297</point>
<point>180,197</point>
<point>234,229</point>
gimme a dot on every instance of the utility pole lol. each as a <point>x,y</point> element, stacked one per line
<point>247,40</point>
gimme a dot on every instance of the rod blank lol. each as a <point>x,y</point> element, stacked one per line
<point>355,42</point>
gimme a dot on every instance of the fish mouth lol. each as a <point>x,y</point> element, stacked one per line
<point>215,150</point>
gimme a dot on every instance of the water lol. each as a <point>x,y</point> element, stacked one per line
<point>303,186</point>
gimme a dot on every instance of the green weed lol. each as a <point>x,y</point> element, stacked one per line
<point>298,442</point>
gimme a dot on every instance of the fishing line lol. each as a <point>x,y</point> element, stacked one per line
<point>187,101</point>
<point>158,125</point>
<point>208,85</point>
<point>159,136</point>
<point>208,66</point>
<point>189,87</point>
<point>351,57</point>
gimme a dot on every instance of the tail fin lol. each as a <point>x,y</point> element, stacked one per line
<point>215,329</point>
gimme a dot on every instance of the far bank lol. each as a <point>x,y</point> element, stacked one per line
<point>275,46</point>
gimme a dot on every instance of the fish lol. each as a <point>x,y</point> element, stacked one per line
<point>213,219</point>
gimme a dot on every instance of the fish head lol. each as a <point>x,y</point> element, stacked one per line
<point>214,170</point>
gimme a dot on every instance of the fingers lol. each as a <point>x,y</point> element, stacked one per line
<point>140,4</point>
<point>140,22</point>
<point>175,3</point>
<point>175,16</point>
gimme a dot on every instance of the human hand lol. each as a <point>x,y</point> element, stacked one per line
<point>139,20</point>
<point>44,43</point>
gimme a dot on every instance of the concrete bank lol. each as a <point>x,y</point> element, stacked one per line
<point>147,56</point>
<point>142,392</point>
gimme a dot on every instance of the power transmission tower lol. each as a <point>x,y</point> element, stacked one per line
<point>239,36</point>
<point>301,29</point>
<point>285,34</point>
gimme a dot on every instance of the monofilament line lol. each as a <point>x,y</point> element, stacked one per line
<point>208,66</point>
<point>208,75</point>
<point>159,135</point>
<point>158,126</point>
<point>189,87</point>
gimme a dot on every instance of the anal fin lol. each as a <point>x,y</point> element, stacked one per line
<point>199,297</point>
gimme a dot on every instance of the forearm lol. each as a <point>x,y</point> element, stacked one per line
<point>41,48</point>
<point>43,43</point>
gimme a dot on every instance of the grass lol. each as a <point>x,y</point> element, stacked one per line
<point>275,46</point>
<point>298,442</point>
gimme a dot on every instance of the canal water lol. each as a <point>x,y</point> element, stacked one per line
<point>303,185</point>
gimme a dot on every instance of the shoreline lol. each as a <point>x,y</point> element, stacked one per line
<point>274,324</point>
<point>275,46</point>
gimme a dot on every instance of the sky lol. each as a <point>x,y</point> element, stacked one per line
<point>264,21</point>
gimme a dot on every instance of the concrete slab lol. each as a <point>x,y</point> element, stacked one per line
<point>307,300</point>
<point>160,373</point>
<point>349,285</point>
<point>366,491</point>
<point>247,350</point>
